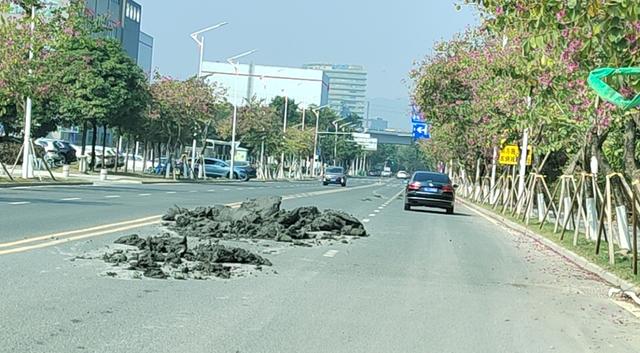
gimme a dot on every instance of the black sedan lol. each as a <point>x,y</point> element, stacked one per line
<point>431,190</point>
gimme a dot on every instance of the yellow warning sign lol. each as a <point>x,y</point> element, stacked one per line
<point>510,155</point>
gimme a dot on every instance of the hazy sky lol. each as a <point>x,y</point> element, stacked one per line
<point>384,36</point>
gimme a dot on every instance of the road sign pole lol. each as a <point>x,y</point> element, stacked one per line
<point>523,167</point>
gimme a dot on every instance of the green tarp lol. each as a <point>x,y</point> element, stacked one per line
<point>609,94</point>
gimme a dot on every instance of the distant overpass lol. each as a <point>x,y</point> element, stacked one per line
<point>392,137</point>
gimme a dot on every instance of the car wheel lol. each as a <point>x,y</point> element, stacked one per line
<point>343,184</point>
<point>450,210</point>
<point>325,184</point>
<point>407,207</point>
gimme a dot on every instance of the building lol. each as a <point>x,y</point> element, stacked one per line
<point>378,124</point>
<point>145,54</point>
<point>305,86</point>
<point>347,87</point>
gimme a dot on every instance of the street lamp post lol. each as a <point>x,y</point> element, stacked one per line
<point>199,39</point>
<point>335,142</point>
<point>27,165</point>
<point>315,138</point>
<point>233,61</point>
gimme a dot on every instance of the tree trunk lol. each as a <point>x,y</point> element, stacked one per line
<point>104,147</point>
<point>630,163</point>
<point>94,138</point>
<point>84,138</point>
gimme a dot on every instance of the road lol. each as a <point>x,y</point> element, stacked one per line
<point>423,281</point>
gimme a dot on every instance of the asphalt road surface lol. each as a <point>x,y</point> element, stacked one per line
<point>423,281</point>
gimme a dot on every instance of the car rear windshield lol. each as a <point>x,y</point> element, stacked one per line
<point>334,170</point>
<point>432,177</point>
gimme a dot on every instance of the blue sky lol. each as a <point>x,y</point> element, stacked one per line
<point>384,36</point>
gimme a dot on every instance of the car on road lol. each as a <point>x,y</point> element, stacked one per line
<point>402,175</point>
<point>430,189</point>
<point>374,173</point>
<point>63,150</point>
<point>249,169</point>
<point>385,173</point>
<point>217,168</point>
<point>334,175</point>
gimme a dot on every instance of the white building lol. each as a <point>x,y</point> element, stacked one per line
<point>305,86</point>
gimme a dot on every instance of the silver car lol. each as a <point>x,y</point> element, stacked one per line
<point>334,175</point>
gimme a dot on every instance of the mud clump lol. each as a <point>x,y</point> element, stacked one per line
<point>169,256</point>
<point>263,219</point>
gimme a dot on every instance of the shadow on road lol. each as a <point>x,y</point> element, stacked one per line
<point>439,212</point>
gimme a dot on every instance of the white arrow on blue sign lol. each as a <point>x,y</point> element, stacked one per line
<point>421,131</point>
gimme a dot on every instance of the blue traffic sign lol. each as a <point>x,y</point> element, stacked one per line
<point>421,131</point>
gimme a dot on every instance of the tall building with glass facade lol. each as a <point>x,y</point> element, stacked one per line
<point>145,54</point>
<point>347,87</point>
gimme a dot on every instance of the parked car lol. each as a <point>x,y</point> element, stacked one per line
<point>217,168</point>
<point>63,149</point>
<point>386,173</point>
<point>334,175</point>
<point>374,173</point>
<point>402,175</point>
<point>139,162</point>
<point>250,170</point>
<point>430,189</point>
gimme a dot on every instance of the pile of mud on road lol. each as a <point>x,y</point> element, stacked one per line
<point>192,249</point>
<point>263,219</point>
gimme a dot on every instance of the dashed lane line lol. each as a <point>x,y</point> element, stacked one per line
<point>330,253</point>
<point>71,199</point>
<point>171,192</point>
<point>112,196</point>
<point>144,194</point>
<point>19,203</point>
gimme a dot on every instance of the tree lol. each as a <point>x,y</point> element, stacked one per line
<point>100,85</point>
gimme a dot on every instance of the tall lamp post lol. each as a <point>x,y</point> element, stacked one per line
<point>316,112</point>
<point>335,139</point>
<point>199,39</point>
<point>27,165</point>
<point>233,61</point>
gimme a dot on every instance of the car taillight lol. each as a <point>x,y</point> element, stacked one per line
<point>447,188</point>
<point>414,186</point>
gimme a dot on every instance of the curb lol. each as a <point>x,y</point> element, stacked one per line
<point>53,183</point>
<point>569,255</point>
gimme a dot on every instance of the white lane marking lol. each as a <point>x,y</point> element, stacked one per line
<point>112,196</point>
<point>240,188</point>
<point>70,199</point>
<point>366,220</point>
<point>196,191</point>
<point>376,211</point>
<point>19,203</point>
<point>171,192</point>
<point>372,214</point>
<point>226,189</point>
<point>210,190</point>
<point>144,194</point>
<point>330,253</point>
<point>380,207</point>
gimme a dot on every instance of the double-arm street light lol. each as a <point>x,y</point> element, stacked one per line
<point>315,138</point>
<point>234,62</point>
<point>198,37</point>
